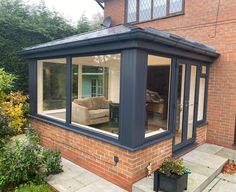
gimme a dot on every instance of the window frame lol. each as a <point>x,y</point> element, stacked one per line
<point>203,121</point>
<point>168,14</point>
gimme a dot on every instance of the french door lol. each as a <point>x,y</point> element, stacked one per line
<point>185,92</point>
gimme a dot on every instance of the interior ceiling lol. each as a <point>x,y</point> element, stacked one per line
<point>154,60</point>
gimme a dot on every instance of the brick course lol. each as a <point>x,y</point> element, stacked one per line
<point>202,23</point>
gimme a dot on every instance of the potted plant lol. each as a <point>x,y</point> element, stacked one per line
<point>172,176</point>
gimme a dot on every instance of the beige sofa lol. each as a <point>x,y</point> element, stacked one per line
<point>90,111</point>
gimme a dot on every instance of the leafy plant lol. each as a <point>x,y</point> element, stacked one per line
<point>24,161</point>
<point>31,187</point>
<point>6,82</point>
<point>5,131</point>
<point>14,108</point>
<point>172,166</point>
<point>52,161</point>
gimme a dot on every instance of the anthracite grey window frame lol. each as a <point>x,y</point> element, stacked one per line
<point>203,121</point>
<point>168,14</point>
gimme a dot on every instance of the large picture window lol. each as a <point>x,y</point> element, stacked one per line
<point>144,10</point>
<point>157,94</point>
<point>52,88</point>
<point>96,92</point>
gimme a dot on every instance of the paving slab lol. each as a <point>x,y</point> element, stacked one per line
<point>100,186</point>
<point>227,177</point>
<point>77,179</point>
<point>205,159</point>
<point>224,186</point>
<point>144,185</point>
<point>87,178</point>
<point>211,185</point>
<point>227,153</point>
<point>199,169</point>
<point>195,182</point>
<point>209,148</point>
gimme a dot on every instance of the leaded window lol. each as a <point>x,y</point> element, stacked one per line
<point>144,10</point>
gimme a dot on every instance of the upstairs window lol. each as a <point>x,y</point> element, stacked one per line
<point>144,10</point>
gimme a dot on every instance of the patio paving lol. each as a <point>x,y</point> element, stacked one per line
<point>206,163</point>
<point>77,179</point>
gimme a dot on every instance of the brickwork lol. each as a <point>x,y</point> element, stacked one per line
<point>213,23</point>
<point>97,156</point>
<point>201,134</point>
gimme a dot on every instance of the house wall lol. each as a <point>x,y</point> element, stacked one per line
<point>213,23</point>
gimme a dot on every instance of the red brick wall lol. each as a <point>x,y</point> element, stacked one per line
<point>97,156</point>
<point>116,9</point>
<point>201,134</point>
<point>200,22</point>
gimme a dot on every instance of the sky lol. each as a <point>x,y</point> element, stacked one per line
<point>72,9</point>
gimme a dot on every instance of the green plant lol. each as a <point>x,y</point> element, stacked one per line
<point>52,161</point>
<point>6,82</point>
<point>5,131</point>
<point>172,166</point>
<point>14,108</point>
<point>25,161</point>
<point>31,187</point>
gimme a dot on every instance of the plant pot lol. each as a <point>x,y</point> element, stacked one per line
<point>173,183</point>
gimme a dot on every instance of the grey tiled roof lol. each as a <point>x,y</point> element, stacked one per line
<point>126,29</point>
<point>84,36</point>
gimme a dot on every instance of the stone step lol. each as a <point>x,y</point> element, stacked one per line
<point>205,166</point>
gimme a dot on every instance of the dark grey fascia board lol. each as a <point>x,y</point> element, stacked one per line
<point>137,34</point>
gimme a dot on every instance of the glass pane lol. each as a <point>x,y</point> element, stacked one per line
<point>157,94</point>
<point>96,92</point>
<point>159,8</point>
<point>180,105</point>
<point>132,11</point>
<point>203,69</point>
<point>201,99</point>
<point>176,6</point>
<point>52,88</point>
<point>191,101</point>
<point>145,10</point>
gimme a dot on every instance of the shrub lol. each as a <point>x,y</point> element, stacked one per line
<point>14,108</point>
<point>24,161</point>
<point>6,82</point>
<point>33,188</point>
<point>172,166</point>
<point>5,131</point>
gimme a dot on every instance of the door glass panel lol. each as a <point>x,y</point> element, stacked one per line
<point>191,102</point>
<point>180,105</point>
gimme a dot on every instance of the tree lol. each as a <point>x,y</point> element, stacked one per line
<point>83,24</point>
<point>24,25</point>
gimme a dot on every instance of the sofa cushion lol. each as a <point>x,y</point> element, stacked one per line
<point>86,102</point>
<point>99,102</point>
<point>98,113</point>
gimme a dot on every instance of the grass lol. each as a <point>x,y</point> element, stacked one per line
<point>34,188</point>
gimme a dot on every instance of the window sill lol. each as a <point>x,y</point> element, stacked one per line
<point>201,124</point>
